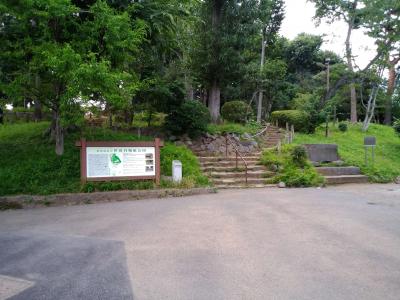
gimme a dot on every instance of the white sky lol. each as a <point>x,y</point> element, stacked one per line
<point>298,19</point>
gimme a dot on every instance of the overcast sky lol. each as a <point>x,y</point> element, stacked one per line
<point>298,19</point>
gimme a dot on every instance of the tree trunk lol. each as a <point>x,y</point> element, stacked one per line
<point>260,95</point>
<point>37,103</point>
<point>110,119</point>
<point>370,112</point>
<point>214,101</point>
<point>188,88</point>
<point>353,96</point>
<point>38,110</point>
<point>390,90</point>
<point>128,117</point>
<point>214,95</point>
<point>204,96</point>
<point>58,132</point>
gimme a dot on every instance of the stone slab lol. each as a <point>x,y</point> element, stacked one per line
<point>322,152</point>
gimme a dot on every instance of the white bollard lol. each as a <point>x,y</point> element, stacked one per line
<point>176,171</point>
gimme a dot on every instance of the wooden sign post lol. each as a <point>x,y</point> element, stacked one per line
<point>120,160</point>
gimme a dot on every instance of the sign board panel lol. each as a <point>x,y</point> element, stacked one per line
<point>369,141</point>
<point>105,160</point>
<point>120,161</point>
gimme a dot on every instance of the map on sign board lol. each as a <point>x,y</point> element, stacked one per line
<point>120,161</point>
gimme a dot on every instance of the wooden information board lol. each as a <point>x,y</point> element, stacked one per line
<point>120,160</point>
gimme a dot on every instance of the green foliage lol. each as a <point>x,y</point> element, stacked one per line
<point>302,52</point>
<point>56,66</point>
<point>299,155</point>
<point>236,111</point>
<point>191,118</point>
<point>396,126</point>
<point>190,163</point>
<point>29,166</point>
<point>351,149</point>
<point>250,127</point>
<point>291,166</point>
<point>299,119</point>
<point>342,126</point>
<point>145,119</point>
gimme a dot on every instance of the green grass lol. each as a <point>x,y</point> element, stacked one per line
<point>29,165</point>
<point>351,149</point>
<point>250,128</point>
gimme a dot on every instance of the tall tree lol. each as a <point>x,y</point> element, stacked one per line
<point>382,21</point>
<point>214,100</point>
<point>271,16</point>
<point>350,12</point>
<point>79,55</point>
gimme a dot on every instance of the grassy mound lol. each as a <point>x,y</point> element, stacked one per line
<point>29,165</point>
<point>351,149</point>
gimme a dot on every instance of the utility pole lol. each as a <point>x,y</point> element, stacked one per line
<point>327,61</point>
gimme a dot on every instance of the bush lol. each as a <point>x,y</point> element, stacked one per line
<point>292,167</point>
<point>236,111</point>
<point>396,126</point>
<point>190,163</point>
<point>191,118</point>
<point>299,156</point>
<point>298,118</point>
<point>342,127</point>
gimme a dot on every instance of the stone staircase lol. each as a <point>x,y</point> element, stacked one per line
<point>272,136</point>
<point>341,175</point>
<point>224,174</point>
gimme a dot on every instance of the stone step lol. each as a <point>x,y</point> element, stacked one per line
<point>337,171</point>
<point>228,158</point>
<point>244,186</point>
<point>238,181</point>
<point>206,154</point>
<point>229,164</point>
<point>231,169</point>
<point>250,174</point>
<point>346,179</point>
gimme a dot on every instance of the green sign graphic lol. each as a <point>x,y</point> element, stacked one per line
<point>115,159</point>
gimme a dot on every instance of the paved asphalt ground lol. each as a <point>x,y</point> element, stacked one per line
<point>333,243</point>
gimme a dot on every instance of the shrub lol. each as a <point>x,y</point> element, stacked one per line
<point>299,156</point>
<point>342,127</point>
<point>191,117</point>
<point>190,163</point>
<point>299,177</point>
<point>299,119</point>
<point>236,111</point>
<point>288,168</point>
<point>396,126</point>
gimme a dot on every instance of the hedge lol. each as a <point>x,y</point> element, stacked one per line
<point>236,111</point>
<point>298,118</point>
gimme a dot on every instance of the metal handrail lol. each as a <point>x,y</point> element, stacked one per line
<point>237,152</point>
<point>260,132</point>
